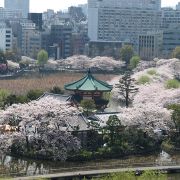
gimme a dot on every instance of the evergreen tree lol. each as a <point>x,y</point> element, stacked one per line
<point>126,88</point>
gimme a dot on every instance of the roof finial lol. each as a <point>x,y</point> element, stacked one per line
<point>89,71</point>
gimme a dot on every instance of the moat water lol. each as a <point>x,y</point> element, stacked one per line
<point>13,167</point>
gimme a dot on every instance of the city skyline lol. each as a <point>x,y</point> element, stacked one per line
<point>38,6</point>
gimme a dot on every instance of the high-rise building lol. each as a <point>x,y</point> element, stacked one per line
<point>171,39</point>
<point>10,14</point>
<point>84,8</point>
<point>122,20</point>
<point>150,45</point>
<point>61,36</point>
<point>170,24</point>
<point>22,5</point>
<point>29,39</point>
<point>5,37</point>
<point>128,4</point>
<point>178,6</point>
<point>37,19</point>
<point>170,18</point>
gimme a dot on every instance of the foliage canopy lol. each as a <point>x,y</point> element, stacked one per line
<point>176,52</point>
<point>126,53</point>
<point>134,61</point>
<point>42,57</point>
<point>126,87</point>
<point>88,105</point>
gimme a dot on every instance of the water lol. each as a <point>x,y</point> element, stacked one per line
<point>11,166</point>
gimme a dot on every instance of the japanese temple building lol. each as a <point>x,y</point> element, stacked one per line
<point>89,87</point>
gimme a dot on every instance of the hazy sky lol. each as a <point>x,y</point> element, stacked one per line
<point>42,5</point>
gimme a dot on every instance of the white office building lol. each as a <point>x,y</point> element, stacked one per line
<point>122,20</point>
<point>22,5</point>
<point>29,39</point>
<point>9,14</point>
<point>170,18</point>
<point>5,37</point>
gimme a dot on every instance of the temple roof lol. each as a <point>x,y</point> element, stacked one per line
<point>89,83</point>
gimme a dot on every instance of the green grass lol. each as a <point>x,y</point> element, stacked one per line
<point>147,175</point>
<point>172,84</point>
<point>143,79</point>
<point>152,72</point>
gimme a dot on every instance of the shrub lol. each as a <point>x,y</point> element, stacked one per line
<point>168,146</point>
<point>13,99</point>
<point>34,94</point>
<point>143,79</point>
<point>3,95</point>
<point>56,90</point>
<point>88,105</point>
<point>172,84</point>
<point>134,61</point>
<point>152,72</point>
<point>176,52</point>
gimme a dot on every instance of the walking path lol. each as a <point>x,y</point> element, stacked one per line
<point>99,172</point>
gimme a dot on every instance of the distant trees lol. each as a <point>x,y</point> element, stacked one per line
<point>126,88</point>
<point>134,61</point>
<point>114,130</point>
<point>42,57</point>
<point>176,52</point>
<point>7,99</point>
<point>2,58</point>
<point>176,115</point>
<point>12,55</point>
<point>126,53</point>
<point>3,63</point>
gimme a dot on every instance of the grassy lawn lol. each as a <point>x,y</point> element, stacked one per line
<point>44,82</point>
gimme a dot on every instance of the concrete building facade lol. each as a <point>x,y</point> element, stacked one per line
<point>22,5</point>
<point>5,37</point>
<point>150,45</point>
<point>171,39</point>
<point>122,20</point>
<point>61,36</point>
<point>29,39</point>
<point>10,14</point>
<point>170,18</point>
<point>37,19</point>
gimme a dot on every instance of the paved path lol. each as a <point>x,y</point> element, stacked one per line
<point>99,172</point>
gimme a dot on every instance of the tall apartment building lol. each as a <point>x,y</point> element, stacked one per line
<point>122,20</point>
<point>5,37</point>
<point>22,5</point>
<point>61,36</point>
<point>29,39</point>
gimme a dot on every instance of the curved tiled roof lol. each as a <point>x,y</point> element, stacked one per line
<point>88,83</point>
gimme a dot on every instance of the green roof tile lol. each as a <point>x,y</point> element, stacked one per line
<point>88,83</point>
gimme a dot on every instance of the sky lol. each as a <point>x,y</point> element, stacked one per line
<point>43,5</point>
